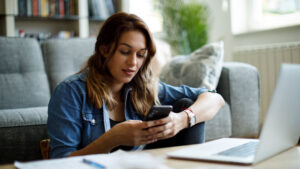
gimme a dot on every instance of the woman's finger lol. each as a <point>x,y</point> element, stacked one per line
<point>158,122</point>
<point>164,135</point>
<point>161,128</point>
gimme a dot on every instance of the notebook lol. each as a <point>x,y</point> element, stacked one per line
<point>280,131</point>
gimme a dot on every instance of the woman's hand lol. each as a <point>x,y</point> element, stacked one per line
<point>128,133</point>
<point>169,126</point>
<point>132,133</point>
<point>136,132</point>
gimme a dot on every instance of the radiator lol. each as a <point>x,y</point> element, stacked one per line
<point>267,59</point>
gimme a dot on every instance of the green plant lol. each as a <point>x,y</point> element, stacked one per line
<point>184,23</point>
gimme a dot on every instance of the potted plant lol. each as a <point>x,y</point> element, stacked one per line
<point>185,24</point>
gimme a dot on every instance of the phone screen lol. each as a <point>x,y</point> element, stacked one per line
<point>158,112</point>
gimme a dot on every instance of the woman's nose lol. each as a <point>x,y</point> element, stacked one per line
<point>132,60</point>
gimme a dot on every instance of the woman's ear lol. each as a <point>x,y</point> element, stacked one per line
<point>103,51</point>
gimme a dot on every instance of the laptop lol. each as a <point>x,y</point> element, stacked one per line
<point>280,131</point>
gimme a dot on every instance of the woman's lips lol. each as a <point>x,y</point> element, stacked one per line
<point>129,72</point>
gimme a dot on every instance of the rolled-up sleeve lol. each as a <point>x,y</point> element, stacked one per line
<point>169,94</point>
<point>64,121</point>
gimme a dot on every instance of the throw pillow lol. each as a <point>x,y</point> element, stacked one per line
<point>162,56</point>
<point>200,68</point>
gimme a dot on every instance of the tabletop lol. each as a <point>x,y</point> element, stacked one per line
<point>287,159</point>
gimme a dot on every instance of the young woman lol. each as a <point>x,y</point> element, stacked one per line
<point>101,108</point>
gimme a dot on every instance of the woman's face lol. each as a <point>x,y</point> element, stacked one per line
<point>128,58</point>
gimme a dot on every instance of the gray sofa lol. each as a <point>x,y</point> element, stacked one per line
<point>29,72</point>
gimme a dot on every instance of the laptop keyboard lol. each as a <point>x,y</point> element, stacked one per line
<point>243,150</point>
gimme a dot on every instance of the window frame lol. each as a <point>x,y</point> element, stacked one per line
<point>247,16</point>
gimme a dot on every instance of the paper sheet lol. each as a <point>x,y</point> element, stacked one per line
<point>116,160</point>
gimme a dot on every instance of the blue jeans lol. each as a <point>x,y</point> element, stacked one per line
<point>192,135</point>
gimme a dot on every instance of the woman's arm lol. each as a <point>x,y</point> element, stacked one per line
<point>128,133</point>
<point>135,132</point>
<point>104,144</point>
<point>205,108</point>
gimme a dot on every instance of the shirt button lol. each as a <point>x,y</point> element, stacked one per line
<point>93,121</point>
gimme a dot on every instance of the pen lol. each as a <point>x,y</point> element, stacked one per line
<point>92,163</point>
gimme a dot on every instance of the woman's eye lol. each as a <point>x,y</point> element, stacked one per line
<point>124,52</point>
<point>141,55</point>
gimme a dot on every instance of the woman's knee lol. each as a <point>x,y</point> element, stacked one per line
<point>182,104</point>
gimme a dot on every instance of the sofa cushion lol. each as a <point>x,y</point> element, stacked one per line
<point>201,68</point>
<point>23,117</point>
<point>21,131</point>
<point>64,57</point>
<point>23,80</point>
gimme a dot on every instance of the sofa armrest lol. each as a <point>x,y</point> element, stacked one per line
<point>240,87</point>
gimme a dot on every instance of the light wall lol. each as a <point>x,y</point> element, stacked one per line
<point>219,25</point>
<point>220,29</point>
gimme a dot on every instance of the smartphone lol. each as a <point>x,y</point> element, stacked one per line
<point>158,112</point>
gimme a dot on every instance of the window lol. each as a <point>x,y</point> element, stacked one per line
<point>255,15</point>
<point>146,10</point>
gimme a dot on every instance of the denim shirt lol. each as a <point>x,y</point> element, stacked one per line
<point>73,122</point>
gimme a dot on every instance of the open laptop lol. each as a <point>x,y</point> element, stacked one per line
<point>281,129</point>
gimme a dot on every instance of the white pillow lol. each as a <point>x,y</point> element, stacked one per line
<point>200,68</point>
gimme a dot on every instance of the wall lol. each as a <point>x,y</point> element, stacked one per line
<point>219,25</point>
<point>287,34</point>
<point>220,29</point>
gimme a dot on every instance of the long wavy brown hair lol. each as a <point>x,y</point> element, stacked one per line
<point>144,87</point>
